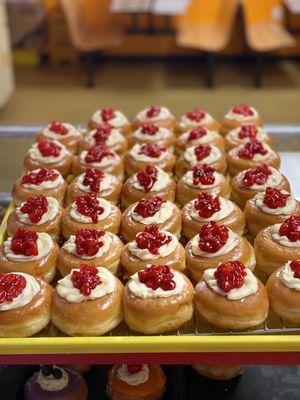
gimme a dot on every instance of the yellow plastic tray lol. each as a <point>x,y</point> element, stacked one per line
<point>196,337</point>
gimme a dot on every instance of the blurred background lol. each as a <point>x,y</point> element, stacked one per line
<point>62,59</point>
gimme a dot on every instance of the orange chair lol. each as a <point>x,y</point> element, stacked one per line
<point>91,28</point>
<point>264,34</point>
<point>207,28</point>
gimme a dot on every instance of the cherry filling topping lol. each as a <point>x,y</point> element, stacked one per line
<point>258,175</point>
<point>86,279</point>
<point>97,154</point>
<point>49,149</point>
<point>196,134</point>
<point>248,131</point>
<point>244,110</point>
<point>230,275</point>
<point>147,177</point>
<point>157,276</point>
<point>202,151</point>
<point>149,207</point>
<point>58,127</point>
<point>152,239</point>
<point>93,178</point>
<point>207,205</point>
<point>203,175</point>
<point>291,228</point>
<point>212,237</point>
<point>149,129</point>
<point>25,243</point>
<point>134,369</point>
<point>36,178</point>
<point>251,148</point>
<point>88,241</point>
<point>107,114</point>
<point>102,133</point>
<point>295,267</point>
<point>35,207</point>
<point>195,115</point>
<point>273,198</point>
<point>153,111</point>
<point>88,206</point>
<point>11,286</point>
<point>152,150</point>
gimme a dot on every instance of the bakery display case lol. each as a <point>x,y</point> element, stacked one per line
<point>196,342</point>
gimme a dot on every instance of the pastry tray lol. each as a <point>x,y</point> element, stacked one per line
<point>275,342</point>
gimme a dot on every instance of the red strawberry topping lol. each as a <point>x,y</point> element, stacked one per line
<point>273,198</point>
<point>196,115</point>
<point>153,111</point>
<point>36,178</point>
<point>88,241</point>
<point>203,175</point>
<point>295,266</point>
<point>149,207</point>
<point>47,148</point>
<point>248,131</point>
<point>196,133</point>
<point>202,151</point>
<point>93,178</point>
<point>291,228</point>
<point>97,154</point>
<point>206,205</point>
<point>107,114</point>
<point>230,275</point>
<point>152,150</point>
<point>152,239</point>
<point>102,133</point>
<point>134,369</point>
<point>35,207</point>
<point>25,242</point>
<point>157,276</point>
<point>86,279</point>
<point>243,109</point>
<point>251,148</point>
<point>88,205</point>
<point>258,175</point>
<point>149,129</point>
<point>147,177</point>
<point>11,286</point>
<point>212,237</point>
<point>58,128</point>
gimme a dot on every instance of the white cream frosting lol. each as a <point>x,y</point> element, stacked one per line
<point>288,209</point>
<point>257,157</point>
<point>117,122</point>
<point>163,251</point>
<point>36,155</point>
<point>240,117</point>
<point>232,241</point>
<point>71,131</point>
<point>163,214</point>
<point>70,247</point>
<point>132,379</point>
<point>105,162</point>
<point>44,245</point>
<point>273,180</point>
<point>51,213</point>
<point>226,209</point>
<point>287,277</point>
<point>190,156</point>
<point>46,184</point>
<point>67,291</point>
<point>76,216</point>
<point>50,384</point>
<point>207,138</point>
<point>134,152</point>
<point>188,179</point>
<point>161,134</point>
<point>31,289</point>
<point>163,114</point>
<point>249,287</point>
<point>283,240</point>
<point>261,135</point>
<point>185,121</point>
<point>105,184</point>
<point>163,180</point>
<point>113,138</point>
<point>142,291</point>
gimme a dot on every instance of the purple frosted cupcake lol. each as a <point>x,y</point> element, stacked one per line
<point>55,383</point>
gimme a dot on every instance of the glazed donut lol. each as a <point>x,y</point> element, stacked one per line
<point>150,133</point>
<point>243,134</point>
<point>206,208</point>
<point>152,246</point>
<point>153,305</point>
<point>81,310</point>
<point>114,118</point>
<point>90,246</point>
<point>197,136</point>
<point>163,213</point>
<point>202,178</point>
<point>216,245</point>
<point>90,212</point>
<point>40,181</point>
<point>148,183</point>
<point>269,208</point>
<point>240,115</point>
<point>157,115</point>
<point>250,155</point>
<point>94,180</point>
<point>231,297</point>
<point>49,154</point>
<point>34,253</point>
<point>196,118</point>
<point>62,132</point>
<point>24,304</point>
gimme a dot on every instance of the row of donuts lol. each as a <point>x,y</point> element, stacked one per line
<point>124,381</point>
